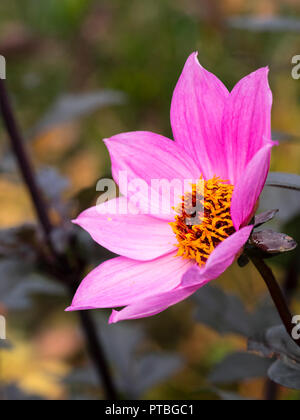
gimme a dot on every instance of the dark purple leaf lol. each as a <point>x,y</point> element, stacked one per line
<point>264,217</point>
<point>239,366</point>
<point>271,242</point>
<point>285,375</point>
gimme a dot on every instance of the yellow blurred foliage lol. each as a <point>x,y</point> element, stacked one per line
<point>33,374</point>
<point>16,207</point>
<point>52,144</point>
<point>83,170</point>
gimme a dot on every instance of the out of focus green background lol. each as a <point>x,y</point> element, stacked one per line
<point>135,51</point>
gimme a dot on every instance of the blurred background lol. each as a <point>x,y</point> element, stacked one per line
<point>82,70</point>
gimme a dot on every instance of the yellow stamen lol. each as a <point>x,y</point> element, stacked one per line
<point>199,232</point>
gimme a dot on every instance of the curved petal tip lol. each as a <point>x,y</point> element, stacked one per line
<point>113,317</point>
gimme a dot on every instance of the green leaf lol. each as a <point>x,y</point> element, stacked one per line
<point>283,180</point>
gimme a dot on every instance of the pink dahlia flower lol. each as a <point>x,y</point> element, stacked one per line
<point>221,138</point>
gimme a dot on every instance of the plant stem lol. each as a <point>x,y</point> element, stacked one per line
<point>289,287</point>
<point>276,294</point>
<point>97,354</point>
<point>18,145</point>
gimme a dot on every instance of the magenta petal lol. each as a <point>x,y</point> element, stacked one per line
<point>148,156</point>
<point>136,236</point>
<point>220,259</point>
<point>249,186</point>
<point>121,281</point>
<point>151,305</point>
<point>196,117</point>
<point>246,122</point>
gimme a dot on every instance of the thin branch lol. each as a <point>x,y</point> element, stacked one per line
<point>292,277</point>
<point>289,287</point>
<point>97,354</point>
<point>276,294</point>
<point>17,142</point>
<point>26,168</point>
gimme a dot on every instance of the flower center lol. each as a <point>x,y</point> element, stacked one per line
<point>203,219</point>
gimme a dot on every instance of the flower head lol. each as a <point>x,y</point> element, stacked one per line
<point>222,141</point>
<point>198,233</point>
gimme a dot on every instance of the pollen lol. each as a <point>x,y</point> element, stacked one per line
<point>203,219</point>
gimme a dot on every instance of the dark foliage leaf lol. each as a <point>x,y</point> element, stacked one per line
<point>5,344</point>
<point>243,260</point>
<point>223,312</point>
<point>270,242</point>
<point>229,396</point>
<point>276,342</point>
<point>285,375</point>
<point>264,317</point>
<point>13,393</point>
<point>262,24</point>
<point>239,366</point>
<point>19,242</point>
<point>88,250</point>
<point>264,217</point>
<point>283,180</point>
<point>82,397</point>
<point>136,372</point>
<point>86,198</point>
<point>52,183</point>
<point>7,163</point>
<point>281,136</point>
<point>82,376</point>
<point>71,106</point>
<point>282,343</point>
<point>18,283</point>
<point>153,369</point>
